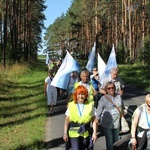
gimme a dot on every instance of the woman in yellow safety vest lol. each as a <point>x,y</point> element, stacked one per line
<point>79,115</point>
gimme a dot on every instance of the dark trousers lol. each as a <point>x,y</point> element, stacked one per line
<point>96,99</point>
<point>142,142</point>
<point>111,136</point>
<point>80,143</point>
<point>68,145</point>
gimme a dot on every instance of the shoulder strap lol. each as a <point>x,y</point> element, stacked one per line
<point>113,104</point>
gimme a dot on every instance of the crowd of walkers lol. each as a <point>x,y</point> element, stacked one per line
<point>88,105</point>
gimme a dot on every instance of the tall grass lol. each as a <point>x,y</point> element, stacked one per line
<point>22,106</point>
<point>14,71</point>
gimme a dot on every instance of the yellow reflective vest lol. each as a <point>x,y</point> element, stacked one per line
<point>75,117</point>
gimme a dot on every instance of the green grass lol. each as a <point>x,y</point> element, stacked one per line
<point>136,75</point>
<point>23,107</point>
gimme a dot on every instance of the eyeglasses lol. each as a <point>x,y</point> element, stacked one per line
<point>110,88</point>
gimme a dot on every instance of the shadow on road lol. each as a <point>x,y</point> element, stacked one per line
<point>131,91</point>
<point>53,143</point>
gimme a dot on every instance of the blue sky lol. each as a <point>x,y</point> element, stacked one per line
<point>54,9</point>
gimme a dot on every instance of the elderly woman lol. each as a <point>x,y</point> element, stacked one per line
<point>140,128</point>
<point>80,113</point>
<point>109,115</point>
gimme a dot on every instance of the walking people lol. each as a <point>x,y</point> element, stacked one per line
<point>96,84</point>
<point>119,86</point>
<point>140,127</point>
<point>113,78</point>
<point>79,115</point>
<point>108,114</point>
<point>51,92</point>
<point>84,75</point>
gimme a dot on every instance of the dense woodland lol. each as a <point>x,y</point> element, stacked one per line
<point>124,23</point>
<point>21,24</point>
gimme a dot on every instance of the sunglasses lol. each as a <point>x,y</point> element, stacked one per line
<point>110,88</point>
<point>94,70</point>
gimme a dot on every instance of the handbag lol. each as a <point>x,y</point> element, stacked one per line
<point>124,123</point>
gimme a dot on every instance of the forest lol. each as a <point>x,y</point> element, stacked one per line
<point>21,24</point>
<point>124,23</point>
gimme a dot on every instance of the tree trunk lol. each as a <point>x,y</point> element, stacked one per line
<point>130,29</point>
<point>5,33</point>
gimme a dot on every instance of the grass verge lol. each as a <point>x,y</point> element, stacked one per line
<point>135,75</point>
<point>22,106</point>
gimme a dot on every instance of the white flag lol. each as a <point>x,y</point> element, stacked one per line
<point>62,76</point>
<point>90,63</point>
<point>101,66</point>
<point>111,63</point>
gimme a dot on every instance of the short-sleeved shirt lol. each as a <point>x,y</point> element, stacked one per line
<point>49,87</point>
<point>118,83</point>
<point>107,113</point>
<point>141,112</point>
